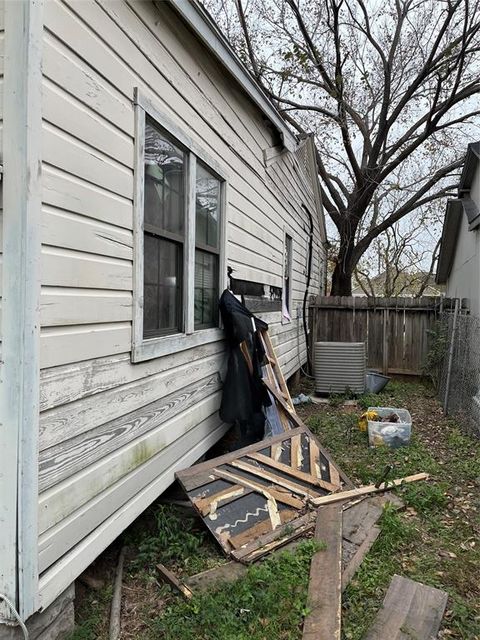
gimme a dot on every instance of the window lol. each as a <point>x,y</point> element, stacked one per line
<point>164,228</point>
<point>287,279</point>
<point>207,224</point>
<point>178,230</point>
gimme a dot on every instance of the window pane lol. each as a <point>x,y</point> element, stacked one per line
<point>164,181</point>
<point>287,276</point>
<point>162,286</point>
<point>206,289</point>
<point>207,205</point>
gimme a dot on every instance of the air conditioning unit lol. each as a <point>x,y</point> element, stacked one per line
<point>339,366</point>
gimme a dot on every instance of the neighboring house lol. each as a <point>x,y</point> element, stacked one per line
<point>459,260</point>
<point>404,285</point>
<point>140,159</point>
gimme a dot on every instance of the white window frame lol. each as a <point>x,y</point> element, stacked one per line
<point>287,233</point>
<point>148,348</point>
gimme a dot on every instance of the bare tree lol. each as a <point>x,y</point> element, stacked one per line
<point>389,88</point>
<point>401,261</point>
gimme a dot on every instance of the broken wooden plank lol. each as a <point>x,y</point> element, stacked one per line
<point>315,460</point>
<point>299,424</point>
<point>390,498</point>
<point>224,573</point>
<point>173,581</point>
<point>264,544</point>
<point>276,369</point>
<point>281,401</point>
<point>264,526</point>
<point>234,455</point>
<point>324,601</point>
<point>230,571</point>
<point>209,503</point>
<point>359,556</point>
<point>358,521</point>
<point>410,610</point>
<point>274,479</point>
<point>280,495</point>
<point>295,473</point>
<point>296,452</point>
<point>371,488</point>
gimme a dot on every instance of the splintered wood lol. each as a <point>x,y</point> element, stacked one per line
<point>247,497</point>
<point>277,386</point>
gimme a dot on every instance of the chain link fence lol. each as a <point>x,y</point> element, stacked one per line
<point>456,346</point>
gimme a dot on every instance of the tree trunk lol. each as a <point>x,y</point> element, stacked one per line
<point>345,265</point>
<point>342,280</point>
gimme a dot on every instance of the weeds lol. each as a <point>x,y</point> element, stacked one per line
<point>268,602</point>
<point>92,617</point>
<point>174,539</point>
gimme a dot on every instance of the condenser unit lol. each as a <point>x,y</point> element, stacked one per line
<point>339,367</point>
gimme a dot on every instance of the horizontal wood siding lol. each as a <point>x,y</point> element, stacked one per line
<point>112,433</point>
<point>2,42</point>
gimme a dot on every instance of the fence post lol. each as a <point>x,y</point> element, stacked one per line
<point>385,341</point>
<point>450,357</point>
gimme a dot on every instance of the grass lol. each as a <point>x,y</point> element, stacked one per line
<point>93,614</point>
<point>269,602</point>
<point>435,541</point>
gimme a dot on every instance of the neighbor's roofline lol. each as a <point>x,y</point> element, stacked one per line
<point>472,158</point>
<point>208,32</point>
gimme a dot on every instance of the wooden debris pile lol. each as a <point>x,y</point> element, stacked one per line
<point>264,496</point>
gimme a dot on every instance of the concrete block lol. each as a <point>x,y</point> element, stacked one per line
<point>55,623</point>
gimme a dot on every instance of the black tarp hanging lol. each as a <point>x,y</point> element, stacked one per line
<point>244,394</point>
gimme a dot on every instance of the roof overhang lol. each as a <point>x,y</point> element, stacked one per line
<point>201,23</point>
<point>472,158</point>
<point>451,226</point>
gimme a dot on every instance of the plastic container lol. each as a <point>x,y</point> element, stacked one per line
<point>391,434</point>
<point>375,382</point>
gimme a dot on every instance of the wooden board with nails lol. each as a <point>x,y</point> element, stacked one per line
<point>256,490</point>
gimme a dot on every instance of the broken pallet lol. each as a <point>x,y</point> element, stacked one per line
<point>254,491</point>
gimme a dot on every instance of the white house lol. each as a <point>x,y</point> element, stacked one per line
<point>459,260</point>
<point>140,159</point>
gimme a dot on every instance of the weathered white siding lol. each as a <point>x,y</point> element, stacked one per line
<point>464,278</point>
<point>2,42</point>
<point>112,433</point>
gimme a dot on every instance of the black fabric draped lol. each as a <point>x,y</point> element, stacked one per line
<point>244,394</point>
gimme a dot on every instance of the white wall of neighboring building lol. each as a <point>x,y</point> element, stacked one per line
<point>464,278</point>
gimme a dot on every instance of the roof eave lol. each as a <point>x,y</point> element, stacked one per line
<point>202,25</point>
<point>451,226</point>
<point>471,161</point>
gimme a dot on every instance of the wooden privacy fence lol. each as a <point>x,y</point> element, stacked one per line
<point>394,329</point>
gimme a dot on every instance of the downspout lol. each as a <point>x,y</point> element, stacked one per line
<point>307,285</point>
